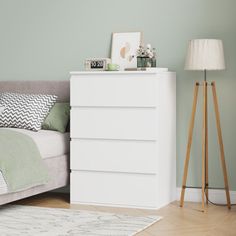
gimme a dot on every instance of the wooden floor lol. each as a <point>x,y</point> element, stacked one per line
<point>217,221</point>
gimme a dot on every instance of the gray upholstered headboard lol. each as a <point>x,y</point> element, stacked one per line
<point>59,88</point>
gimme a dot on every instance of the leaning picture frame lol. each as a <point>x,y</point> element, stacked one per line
<point>124,49</point>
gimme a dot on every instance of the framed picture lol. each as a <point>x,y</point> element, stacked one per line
<point>124,48</point>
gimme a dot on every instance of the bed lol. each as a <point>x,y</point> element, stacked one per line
<point>53,146</point>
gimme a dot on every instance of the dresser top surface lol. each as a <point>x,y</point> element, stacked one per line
<point>119,72</point>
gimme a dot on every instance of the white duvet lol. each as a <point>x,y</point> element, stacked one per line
<point>50,144</point>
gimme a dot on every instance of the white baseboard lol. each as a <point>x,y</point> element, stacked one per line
<point>216,196</point>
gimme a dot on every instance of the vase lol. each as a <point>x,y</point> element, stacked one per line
<point>144,62</point>
<point>141,62</point>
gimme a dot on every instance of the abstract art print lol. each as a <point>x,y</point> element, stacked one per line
<point>124,49</point>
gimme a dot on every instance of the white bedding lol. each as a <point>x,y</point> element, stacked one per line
<point>50,144</point>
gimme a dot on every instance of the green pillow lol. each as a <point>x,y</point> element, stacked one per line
<point>58,118</point>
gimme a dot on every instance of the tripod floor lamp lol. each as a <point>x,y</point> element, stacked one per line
<point>204,55</point>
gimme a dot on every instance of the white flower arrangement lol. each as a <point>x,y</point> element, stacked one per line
<point>147,51</point>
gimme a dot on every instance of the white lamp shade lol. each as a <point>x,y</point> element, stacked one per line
<point>205,54</point>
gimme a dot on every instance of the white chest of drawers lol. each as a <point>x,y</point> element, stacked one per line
<point>123,135</point>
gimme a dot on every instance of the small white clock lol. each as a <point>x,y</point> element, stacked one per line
<point>97,64</point>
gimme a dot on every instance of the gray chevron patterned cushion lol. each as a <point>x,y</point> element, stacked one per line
<point>1,109</point>
<point>25,111</point>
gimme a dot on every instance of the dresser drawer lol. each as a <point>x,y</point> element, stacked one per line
<point>114,155</point>
<point>114,123</point>
<point>114,189</point>
<point>114,91</point>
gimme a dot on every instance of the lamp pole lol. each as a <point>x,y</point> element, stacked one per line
<point>206,136</point>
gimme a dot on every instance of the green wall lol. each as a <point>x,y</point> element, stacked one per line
<point>42,39</point>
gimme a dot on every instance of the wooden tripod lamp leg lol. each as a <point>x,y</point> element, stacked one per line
<point>206,148</point>
<point>190,136</point>
<point>222,155</point>
<point>204,143</point>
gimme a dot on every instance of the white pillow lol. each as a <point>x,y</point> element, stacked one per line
<point>25,111</point>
